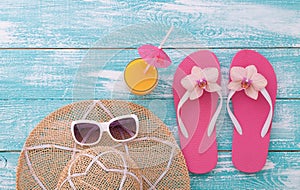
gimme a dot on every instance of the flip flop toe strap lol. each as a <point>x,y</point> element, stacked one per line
<point>182,128</point>
<point>267,123</point>
<point>212,122</point>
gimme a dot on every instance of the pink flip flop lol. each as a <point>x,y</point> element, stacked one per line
<point>253,88</point>
<point>196,90</point>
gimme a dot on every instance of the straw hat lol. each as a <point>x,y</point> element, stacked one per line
<point>51,159</point>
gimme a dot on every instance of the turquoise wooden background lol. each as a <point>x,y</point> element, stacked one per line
<point>43,43</point>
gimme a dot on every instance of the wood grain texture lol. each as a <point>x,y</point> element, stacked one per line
<point>8,163</point>
<point>255,23</point>
<point>19,117</point>
<point>55,74</point>
<point>45,64</point>
<point>280,172</point>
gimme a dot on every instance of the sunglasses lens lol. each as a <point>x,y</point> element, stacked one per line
<point>86,133</point>
<point>123,129</point>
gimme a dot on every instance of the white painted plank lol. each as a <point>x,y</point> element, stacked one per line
<point>282,171</point>
<point>55,74</point>
<point>37,23</point>
<point>19,117</point>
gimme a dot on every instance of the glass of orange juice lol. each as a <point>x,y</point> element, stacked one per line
<point>139,82</point>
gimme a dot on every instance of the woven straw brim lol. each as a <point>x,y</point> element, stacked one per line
<point>50,147</point>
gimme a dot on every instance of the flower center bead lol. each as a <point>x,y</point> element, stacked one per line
<point>246,83</point>
<point>202,83</point>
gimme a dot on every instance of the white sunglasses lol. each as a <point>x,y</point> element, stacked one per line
<point>120,129</point>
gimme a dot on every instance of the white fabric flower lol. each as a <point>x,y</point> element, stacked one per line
<point>200,80</point>
<point>247,79</point>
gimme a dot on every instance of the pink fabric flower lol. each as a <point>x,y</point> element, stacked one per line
<point>199,80</point>
<point>247,79</point>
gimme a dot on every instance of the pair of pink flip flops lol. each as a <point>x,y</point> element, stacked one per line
<point>198,102</point>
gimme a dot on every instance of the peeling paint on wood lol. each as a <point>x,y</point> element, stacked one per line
<point>43,43</point>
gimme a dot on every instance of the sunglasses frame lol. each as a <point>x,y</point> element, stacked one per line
<point>104,127</point>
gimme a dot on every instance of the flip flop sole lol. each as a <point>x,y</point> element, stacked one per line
<point>250,150</point>
<point>197,114</point>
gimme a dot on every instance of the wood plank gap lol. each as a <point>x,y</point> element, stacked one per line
<point>8,151</point>
<point>152,98</point>
<point>131,48</point>
<point>18,151</point>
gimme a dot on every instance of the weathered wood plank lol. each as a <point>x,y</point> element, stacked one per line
<point>8,164</point>
<point>55,74</point>
<point>282,171</point>
<point>19,117</point>
<point>214,24</point>
<point>35,82</point>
